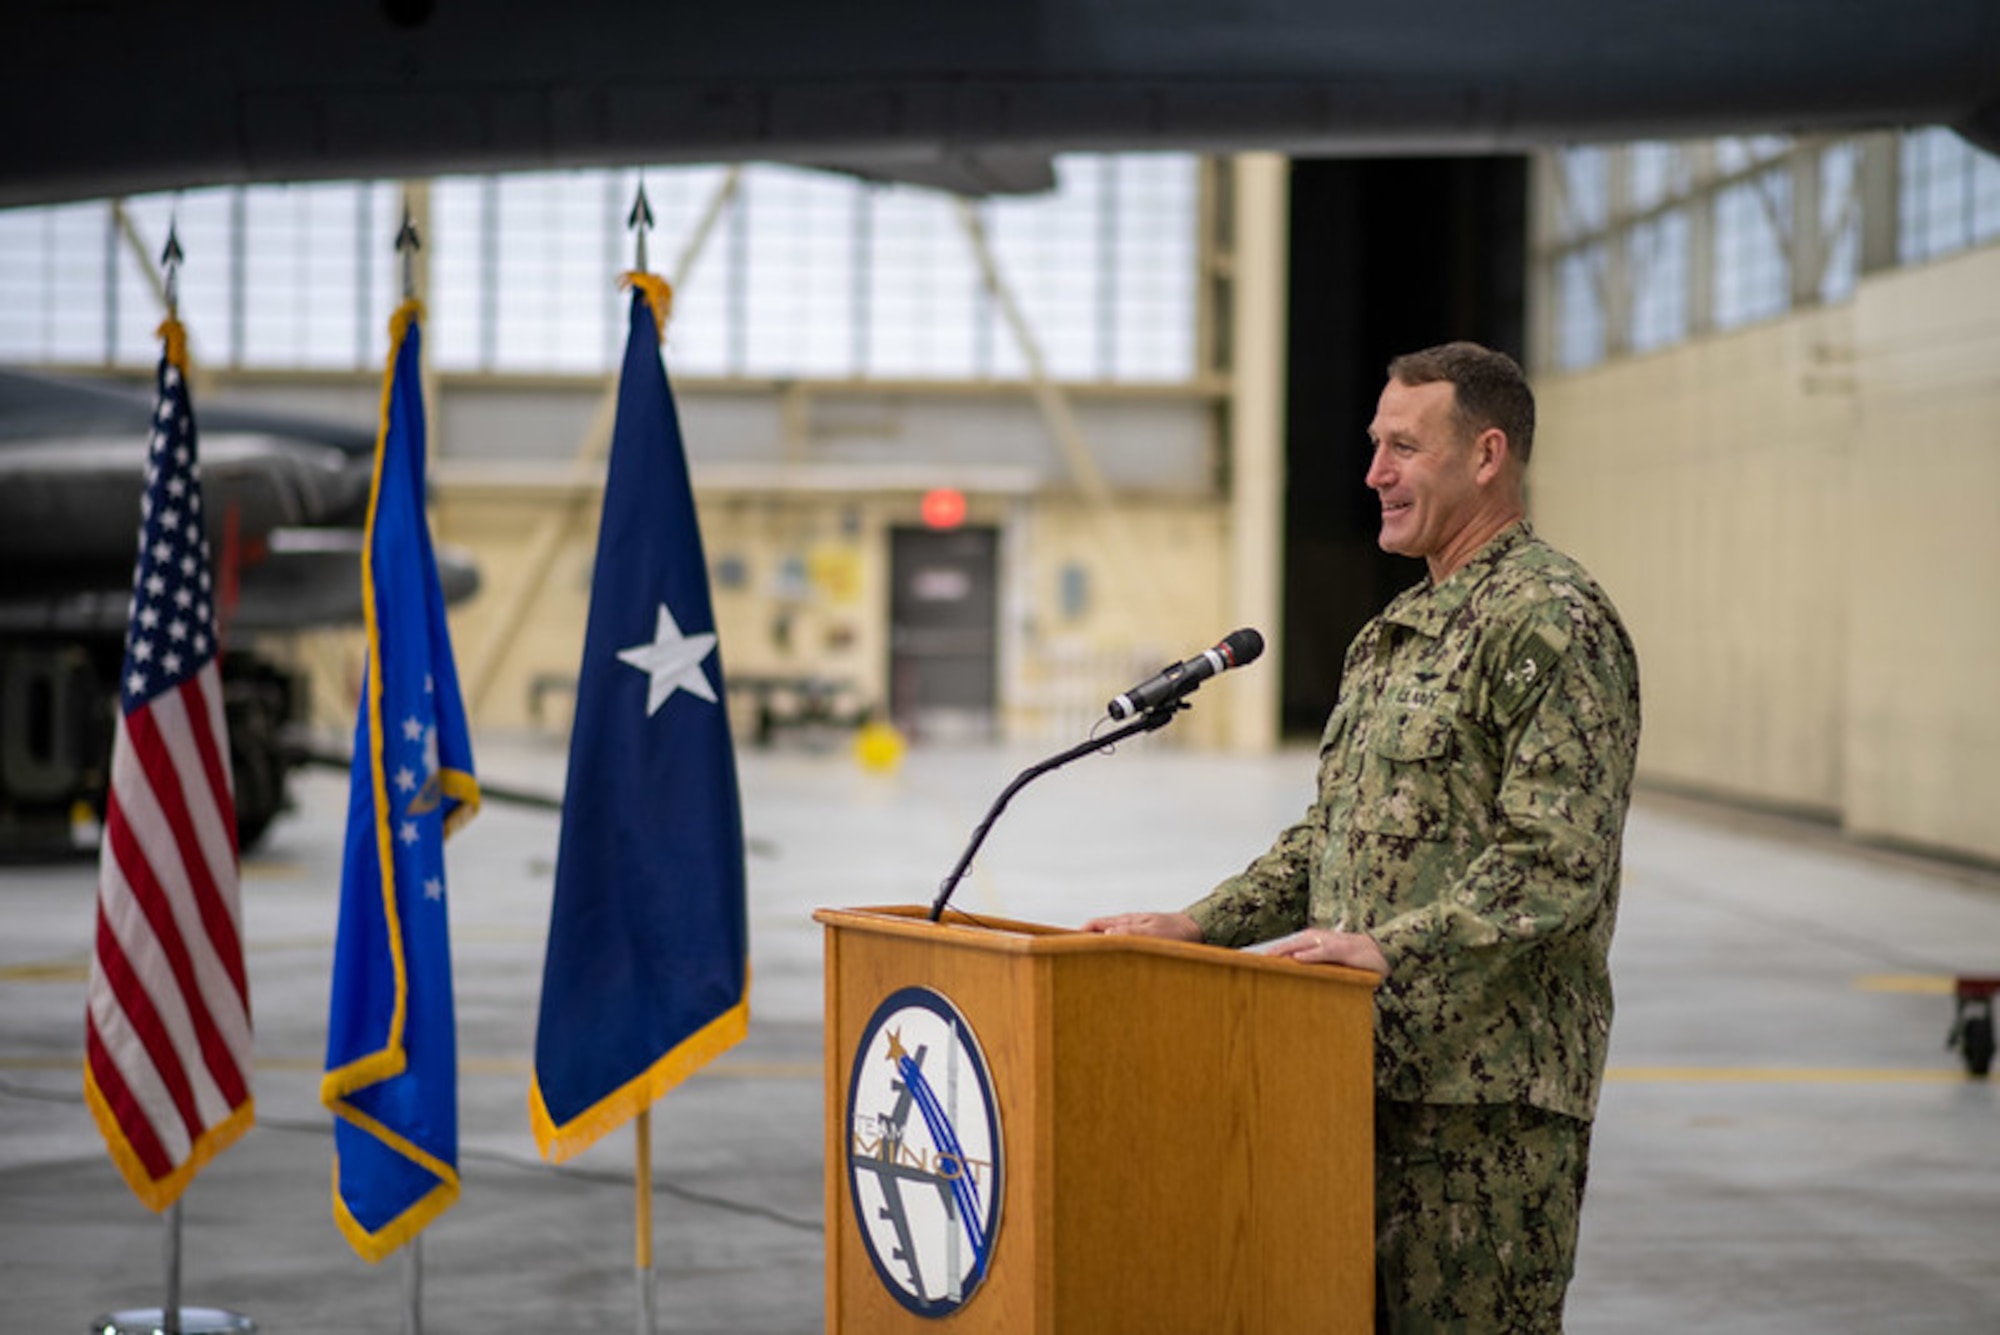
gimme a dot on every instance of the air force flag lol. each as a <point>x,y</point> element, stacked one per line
<point>647,971</point>
<point>391,1051</point>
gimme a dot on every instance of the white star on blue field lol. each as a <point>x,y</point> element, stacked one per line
<point>672,661</point>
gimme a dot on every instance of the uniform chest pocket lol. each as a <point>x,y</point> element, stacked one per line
<point>1404,786</point>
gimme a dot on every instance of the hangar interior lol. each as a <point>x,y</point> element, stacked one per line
<point>1765,371</point>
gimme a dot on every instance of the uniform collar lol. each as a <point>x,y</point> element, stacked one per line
<point>1426,607</point>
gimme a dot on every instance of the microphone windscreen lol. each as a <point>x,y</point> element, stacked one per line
<point>1243,646</point>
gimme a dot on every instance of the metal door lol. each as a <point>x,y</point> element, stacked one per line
<point>943,632</point>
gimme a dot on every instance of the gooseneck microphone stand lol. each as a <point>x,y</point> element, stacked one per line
<point>1151,721</point>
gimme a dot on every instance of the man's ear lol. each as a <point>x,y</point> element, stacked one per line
<point>1491,453</point>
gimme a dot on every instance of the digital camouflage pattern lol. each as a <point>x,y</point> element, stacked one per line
<point>1476,1217</point>
<point>1473,783</point>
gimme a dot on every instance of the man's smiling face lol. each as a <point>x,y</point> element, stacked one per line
<point>1424,470</point>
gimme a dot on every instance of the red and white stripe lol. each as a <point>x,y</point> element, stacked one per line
<point>168,1036</point>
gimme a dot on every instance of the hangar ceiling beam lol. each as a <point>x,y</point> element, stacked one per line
<point>1121,548</point>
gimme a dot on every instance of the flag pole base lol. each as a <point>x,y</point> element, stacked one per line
<point>153,1321</point>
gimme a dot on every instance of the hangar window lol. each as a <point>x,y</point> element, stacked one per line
<point>1659,264</point>
<point>1154,309</point>
<point>1657,172</point>
<point>1840,220</point>
<point>1752,249</point>
<point>1579,287</point>
<point>306,242</point>
<point>1736,153</point>
<point>802,293</point>
<point>1949,196</point>
<point>1584,199</point>
<point>1645,245</point>
<point>53,296</point>
<point>802,274</point>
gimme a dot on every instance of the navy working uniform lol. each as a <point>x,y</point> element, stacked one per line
<point>1473,785</point>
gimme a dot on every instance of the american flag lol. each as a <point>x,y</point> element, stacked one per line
<point>167,1044</point>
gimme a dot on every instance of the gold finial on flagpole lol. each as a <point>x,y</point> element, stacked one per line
<point>408,243</point>
<point>640,220</point>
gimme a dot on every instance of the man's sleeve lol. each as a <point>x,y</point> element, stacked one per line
<point>1564,697</point>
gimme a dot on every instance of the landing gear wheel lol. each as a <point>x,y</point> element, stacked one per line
<point>1976,1038</point>
<point>1972,1024</point>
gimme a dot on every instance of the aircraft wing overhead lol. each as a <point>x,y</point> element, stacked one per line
<point>972,174</point>
<point>124,97</point>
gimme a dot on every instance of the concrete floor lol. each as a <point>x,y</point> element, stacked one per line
<point>1784,1144</point>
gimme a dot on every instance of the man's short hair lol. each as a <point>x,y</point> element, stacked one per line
<point>1489,389</point>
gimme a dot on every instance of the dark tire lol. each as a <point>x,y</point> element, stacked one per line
<point>257,758</point>
<point>1976,1040</point>
<point>260,787</point>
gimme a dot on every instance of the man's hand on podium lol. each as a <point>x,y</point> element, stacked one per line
<point>1314,945</point>
<point>1172,926</point>
<point>1319,945</point>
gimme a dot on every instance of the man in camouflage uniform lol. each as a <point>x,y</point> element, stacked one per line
<point>1464,845</point>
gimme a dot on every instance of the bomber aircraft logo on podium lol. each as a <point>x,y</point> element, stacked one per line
<point>924,1152</point>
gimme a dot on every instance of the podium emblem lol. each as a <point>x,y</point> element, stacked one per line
<point>924,1152</point>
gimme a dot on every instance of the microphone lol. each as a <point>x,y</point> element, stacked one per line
<point>1238,648</point>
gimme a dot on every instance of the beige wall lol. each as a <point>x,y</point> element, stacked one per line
<point>1923,717</point>
<point>1801,523</point>
<point>1167,601</point>
<point>1057,666</point>
<point>810,533</point>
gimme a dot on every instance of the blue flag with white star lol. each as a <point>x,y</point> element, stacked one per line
<point>391,1052</point>
<point>646,977</point>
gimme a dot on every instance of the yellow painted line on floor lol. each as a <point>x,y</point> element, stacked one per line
<point>314,941</point>
<point>725,1070</point>
<point>748,1070</point>
<point>519,1068</point>
<point>1925,984</point>
<point>516,1067</point>
<point>77,970</point>
<point>47,971</point>
<point>1780,1075</point>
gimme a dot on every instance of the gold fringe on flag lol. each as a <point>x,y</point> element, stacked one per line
<point>659,295</point>
<point>399,325</point>
<point>175,333</point>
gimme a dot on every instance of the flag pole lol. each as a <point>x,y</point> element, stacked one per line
<point>639,222</point>
<point>413,1287</point>
<point>642,1181</point>
<point>170,1316</point>
<point>407,243</point>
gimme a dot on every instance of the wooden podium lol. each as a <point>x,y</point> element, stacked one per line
<point>1184,1142</point>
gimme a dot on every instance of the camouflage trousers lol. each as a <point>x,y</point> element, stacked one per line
<point>1475,1217</point>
